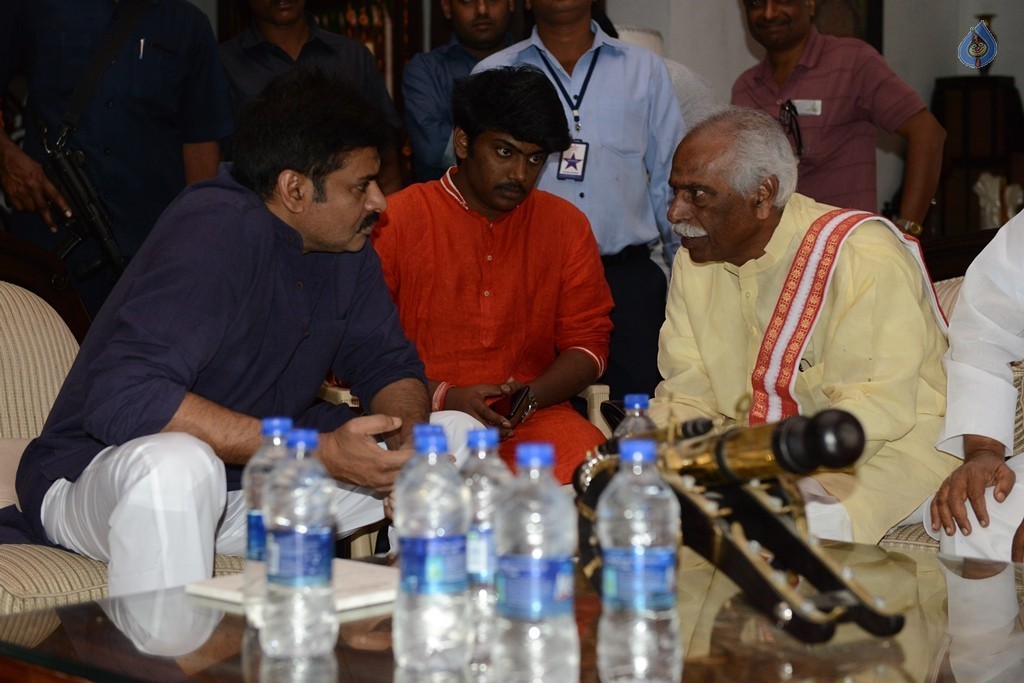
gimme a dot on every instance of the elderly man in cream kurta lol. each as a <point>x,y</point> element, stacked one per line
<point>859,324</point>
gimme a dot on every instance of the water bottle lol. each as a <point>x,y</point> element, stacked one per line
<point>487,477</point>
<point>299,619</point>
<point>319,669</point>
<point>638,527</point>
<point>536,637</point>
<point>430,630</point>
<point>636,421</point>
<point>254,476</point>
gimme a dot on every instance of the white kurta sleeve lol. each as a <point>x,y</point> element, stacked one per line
<point>986,334</point>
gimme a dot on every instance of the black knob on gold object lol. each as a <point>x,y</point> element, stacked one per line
<point>832,438</point>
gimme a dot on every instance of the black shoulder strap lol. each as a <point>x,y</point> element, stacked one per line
<point>131,12</point>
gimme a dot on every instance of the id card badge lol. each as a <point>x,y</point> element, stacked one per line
<point>808,107</point>
<point>573,162</point>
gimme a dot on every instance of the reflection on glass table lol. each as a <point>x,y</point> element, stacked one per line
<point>962,624</point>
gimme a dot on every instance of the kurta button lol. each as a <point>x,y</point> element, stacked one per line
<point>746,294</point>
<point>487,292</point>
<point>110,104</point>
<point>299,284</point>
<point>490,258</point>
<point>582,195</point>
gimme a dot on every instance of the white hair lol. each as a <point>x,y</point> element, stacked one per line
<point>758,149</point>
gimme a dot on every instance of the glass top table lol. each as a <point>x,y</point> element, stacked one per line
<point>963,623</point>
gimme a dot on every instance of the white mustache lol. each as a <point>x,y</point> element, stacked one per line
<point>689,230</point>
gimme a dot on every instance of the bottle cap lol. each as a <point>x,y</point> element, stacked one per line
<point>428,438</point>
<point>482,439</point>
<point>307,439</point>
<point>533,455</point>
<point>275,426</point>
<point>637,450</point>
<point>637,401</point>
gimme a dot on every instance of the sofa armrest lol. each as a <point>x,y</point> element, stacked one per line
<point>10,456</point>
<point>595,395</point>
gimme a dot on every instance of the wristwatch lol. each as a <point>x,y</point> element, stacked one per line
<point>912,228</point>
<point>531,405</point>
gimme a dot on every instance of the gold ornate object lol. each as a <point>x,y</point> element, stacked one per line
<point>741,509</point>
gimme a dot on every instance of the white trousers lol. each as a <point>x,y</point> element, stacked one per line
<point>156,508</point>
<point>827,517</point>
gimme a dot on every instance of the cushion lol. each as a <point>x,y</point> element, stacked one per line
<point>36,577</point>
<point>36,352</point>
<point>947,291</point>
<point>909,537</point>
<point>28,629</point>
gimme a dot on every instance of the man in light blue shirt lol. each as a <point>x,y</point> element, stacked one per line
<point>480,28</point>
<point>625,120</point>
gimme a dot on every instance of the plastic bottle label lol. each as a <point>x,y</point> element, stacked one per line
<point>533,589</point>
<point>256,537</point>
<point>296,558</point>
<point>433,566</point>
<point>480,558</point>
<point>639,578</point>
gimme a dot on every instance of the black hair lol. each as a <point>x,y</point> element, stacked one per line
<point>305,120</point>
<point>517,100</point>
<point>598,15</point>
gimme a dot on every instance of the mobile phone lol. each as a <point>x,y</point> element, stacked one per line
<point>512,407</point>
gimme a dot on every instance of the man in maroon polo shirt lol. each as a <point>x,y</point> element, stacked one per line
<point>832,94</point>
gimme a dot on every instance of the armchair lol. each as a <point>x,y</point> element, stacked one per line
<point>36,352</point>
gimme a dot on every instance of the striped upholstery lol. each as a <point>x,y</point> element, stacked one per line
<point>36,352</point>
<point>947,291</point>
<point>28,629</point>
<point>33,577</point>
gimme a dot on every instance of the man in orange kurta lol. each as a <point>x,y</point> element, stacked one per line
<point>500,285</point>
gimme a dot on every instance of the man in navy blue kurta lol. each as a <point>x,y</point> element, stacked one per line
<point>251,287</point>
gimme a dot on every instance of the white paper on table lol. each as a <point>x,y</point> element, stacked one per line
<point>356,584</point>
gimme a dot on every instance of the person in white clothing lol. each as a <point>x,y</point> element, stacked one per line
<point>979,508</point>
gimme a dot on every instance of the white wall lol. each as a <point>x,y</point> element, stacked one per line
<point>920,40</point>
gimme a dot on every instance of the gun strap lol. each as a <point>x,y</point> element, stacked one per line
<point>131,12</point>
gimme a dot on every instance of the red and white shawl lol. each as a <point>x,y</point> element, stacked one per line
<point>799,305</point>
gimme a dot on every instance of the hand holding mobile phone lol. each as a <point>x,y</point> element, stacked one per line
<point>513,407</point>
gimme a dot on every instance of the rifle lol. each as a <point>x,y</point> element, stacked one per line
<point>89,217</point>
<point>67,168</point>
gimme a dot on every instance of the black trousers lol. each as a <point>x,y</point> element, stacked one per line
<point>640,290</point>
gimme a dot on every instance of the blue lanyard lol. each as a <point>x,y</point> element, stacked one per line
<point>574,106</point>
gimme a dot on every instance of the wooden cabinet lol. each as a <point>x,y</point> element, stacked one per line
<point>984,132</point>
